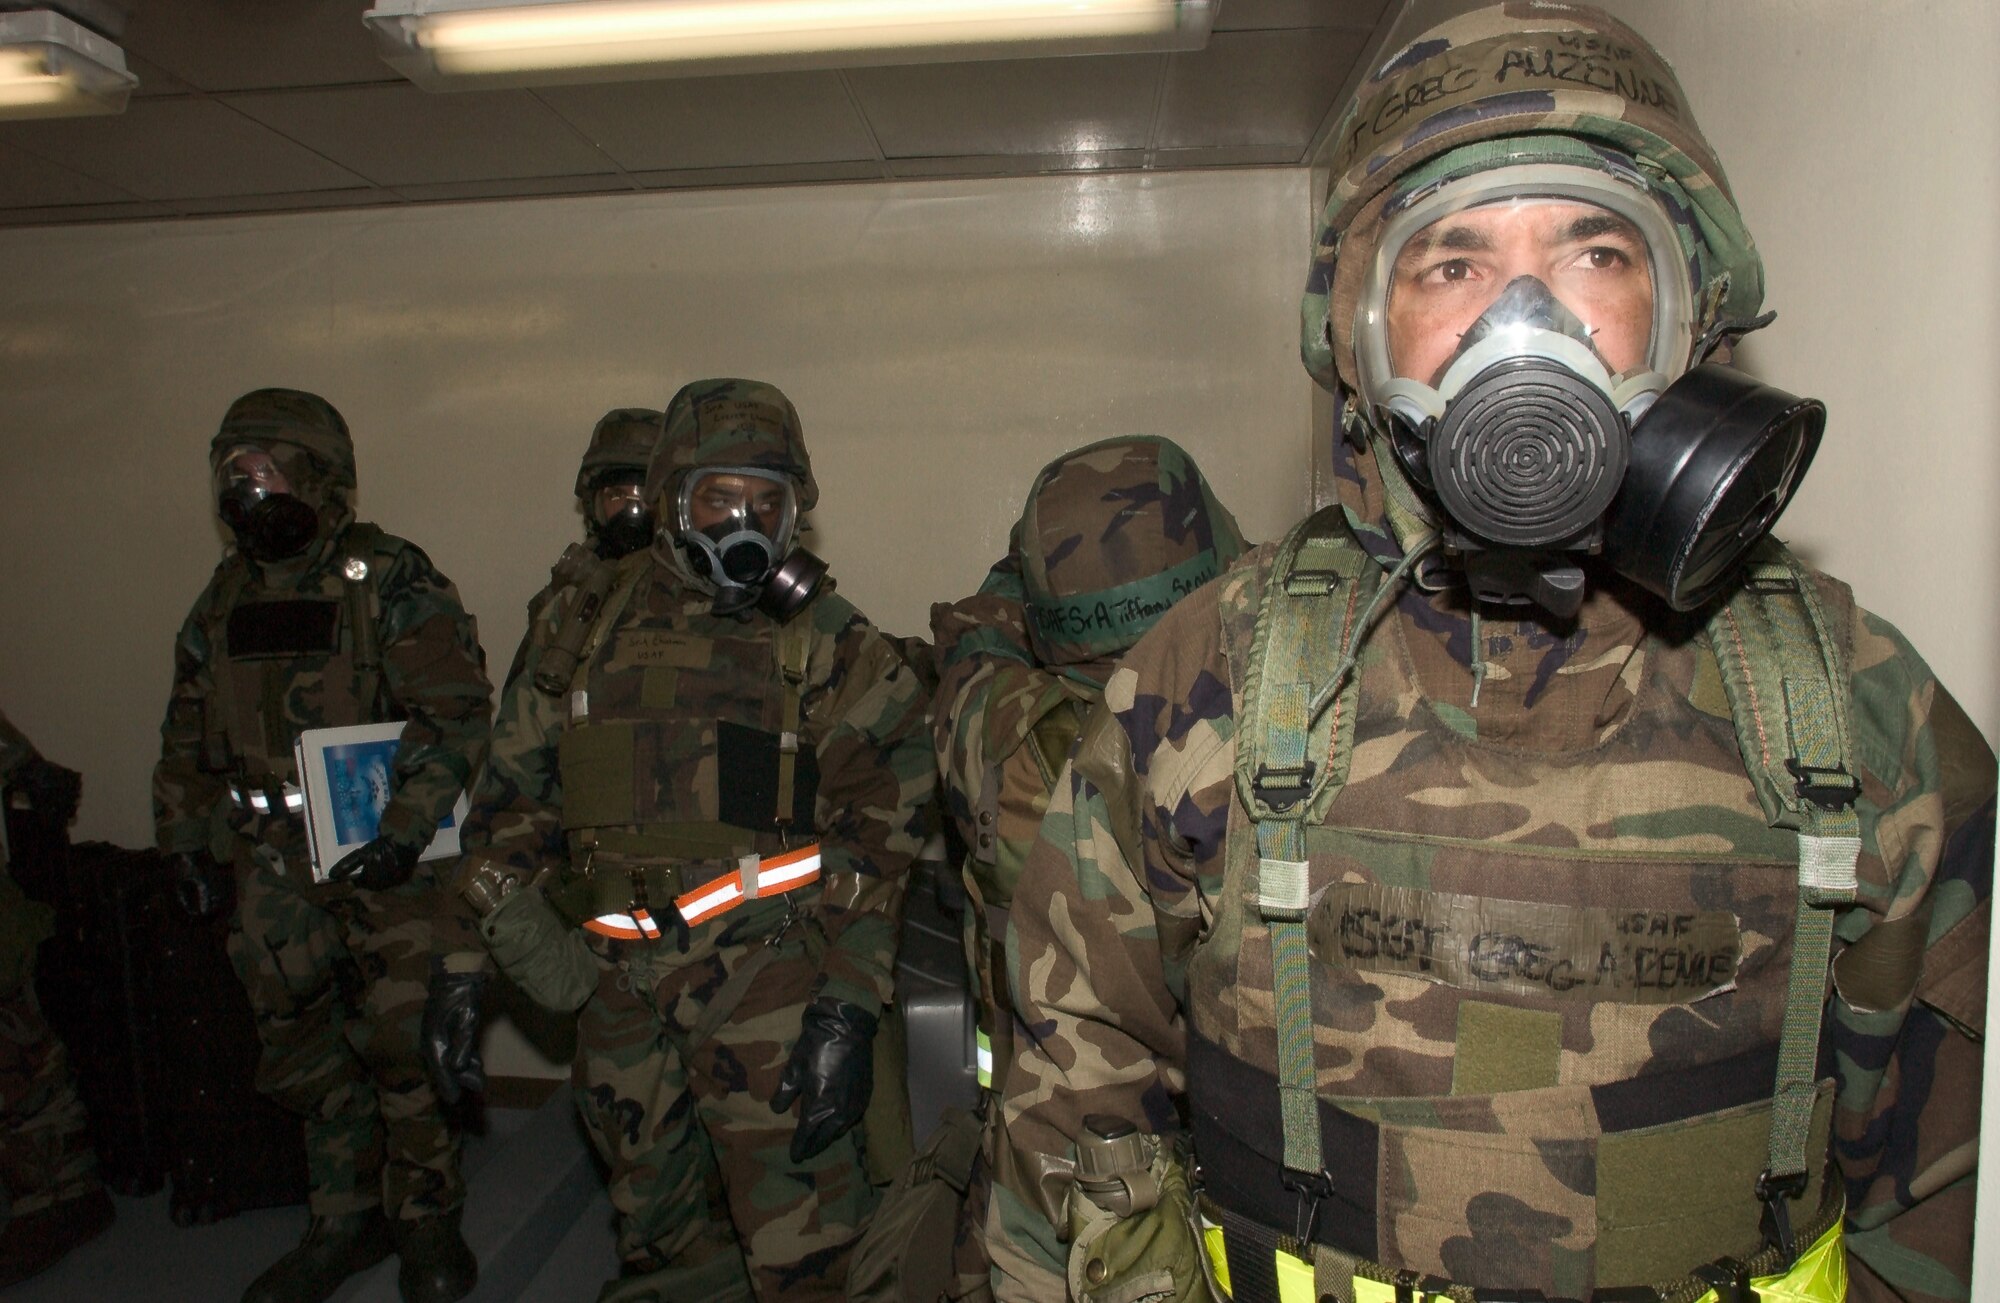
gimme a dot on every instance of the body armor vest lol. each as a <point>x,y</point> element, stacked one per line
<point>309,659</point>
<point>1517,1021</point>
<point>683,750</point>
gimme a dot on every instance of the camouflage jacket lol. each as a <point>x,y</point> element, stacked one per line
<point>677,677</point>
<point>24,923</point>
<point>267,653</point>
<point>14,748</point>
<point>1599,766</point>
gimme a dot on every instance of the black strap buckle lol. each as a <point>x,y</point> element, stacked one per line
<point>1776,1192</point>
<point>1829,789</point>
<point>1311,1188</point>
<point>1729,1279</point>
<point>1283,785</point>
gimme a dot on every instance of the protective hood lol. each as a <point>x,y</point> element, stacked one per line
<point>1113,535</point>
<point>623,440</point>
<point>1521,83</point>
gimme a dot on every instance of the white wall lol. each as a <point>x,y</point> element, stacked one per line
<point>941,341</point>
<point>1862,139</point>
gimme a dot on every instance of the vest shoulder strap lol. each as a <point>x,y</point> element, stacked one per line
<point>360,544</point>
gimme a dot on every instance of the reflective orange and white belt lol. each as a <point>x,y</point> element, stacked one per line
<point>753,878</point>
<point>286,800</point>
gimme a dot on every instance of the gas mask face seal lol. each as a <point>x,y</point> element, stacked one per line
<point>733,526</point>
<point>254,496</point>
<point>1521,339</point>
<point>620,521</point>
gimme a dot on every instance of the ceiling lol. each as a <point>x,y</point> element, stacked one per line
<point>282,105</point>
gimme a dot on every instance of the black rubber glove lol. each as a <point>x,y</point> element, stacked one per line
<point>830,1073</point>
<point>202,888</point>
<point>377,865</point>
<point>52,790</point>
<point>450,1036</point>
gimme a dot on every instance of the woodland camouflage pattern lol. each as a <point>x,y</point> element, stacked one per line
<point>623,439</point>
<point>1014,691</point>
<point>1489,1117</point>
<point>677,689</point>
<point>1599,774</point>
<point>45,1153</point>
<point>336,974</point>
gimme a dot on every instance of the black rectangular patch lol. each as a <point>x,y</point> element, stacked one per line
<point>295,627</point>
<point>746,764</point>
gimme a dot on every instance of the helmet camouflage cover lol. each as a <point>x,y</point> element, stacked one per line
<point>623,440</point>
<point>729,422</point>
<point>1524,81</point>
<point>1113,534</point>
<point>292,418</point>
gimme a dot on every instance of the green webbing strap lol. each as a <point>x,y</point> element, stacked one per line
<point>1287,770</point>
<point>1785,672</point>
<point>794,643</point>
<point>357,574</point>
<point>631,569</point>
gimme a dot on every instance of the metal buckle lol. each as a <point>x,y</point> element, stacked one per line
<point>1283,785</point>
<point>1729,1279</point>
<point>1776,1223</point>
<point>1829,789</point>
<point>1311,1188</point>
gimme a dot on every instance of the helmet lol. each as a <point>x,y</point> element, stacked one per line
<point>731,478</point>
<point>1113,534</point>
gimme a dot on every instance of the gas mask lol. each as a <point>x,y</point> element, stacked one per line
<point>620,521</point>
<point>1522,341</point>
<point>734,528</point>
<point>255,498</point>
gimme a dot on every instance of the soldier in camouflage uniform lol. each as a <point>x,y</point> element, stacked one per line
<point>317,620</point>
<point>1112,535</point>
<point>696,828</point>
<point>50,1197</point>
<point>1478,946</point>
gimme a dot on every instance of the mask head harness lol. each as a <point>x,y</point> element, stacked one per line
<point>1521,341</point>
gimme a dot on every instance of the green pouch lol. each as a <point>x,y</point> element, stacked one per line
<point>595,761</point>
<point>907,1253</point>
<point>544,956</point>
<point>1153,1252</point>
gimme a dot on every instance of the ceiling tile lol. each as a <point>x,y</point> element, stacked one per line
<point>519,187</point>
<point>218,45</point>
<point>398,135</point>
<point>153,79</point>
<point>770,174</point>
<point>180,149</point>
<point>1256,88</point>
<point>703,122</point>
<point>1027,106</point>
<point>1253,15</point>
<point>73,214</point>
<point>1110,160</point>
<point>27,181</point>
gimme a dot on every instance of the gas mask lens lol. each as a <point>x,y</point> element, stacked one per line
<point>735,524</point>
<point>619,517</point>
<point>255,498</point>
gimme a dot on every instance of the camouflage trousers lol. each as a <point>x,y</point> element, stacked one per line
<point>45,1153</point>
<point>701,1176</point>
<point>337,978</point>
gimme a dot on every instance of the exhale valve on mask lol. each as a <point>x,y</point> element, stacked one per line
<point>1539,456</point>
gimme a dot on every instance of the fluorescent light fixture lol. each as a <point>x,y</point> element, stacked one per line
<point>52,67</point>
<point>461,44</point>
